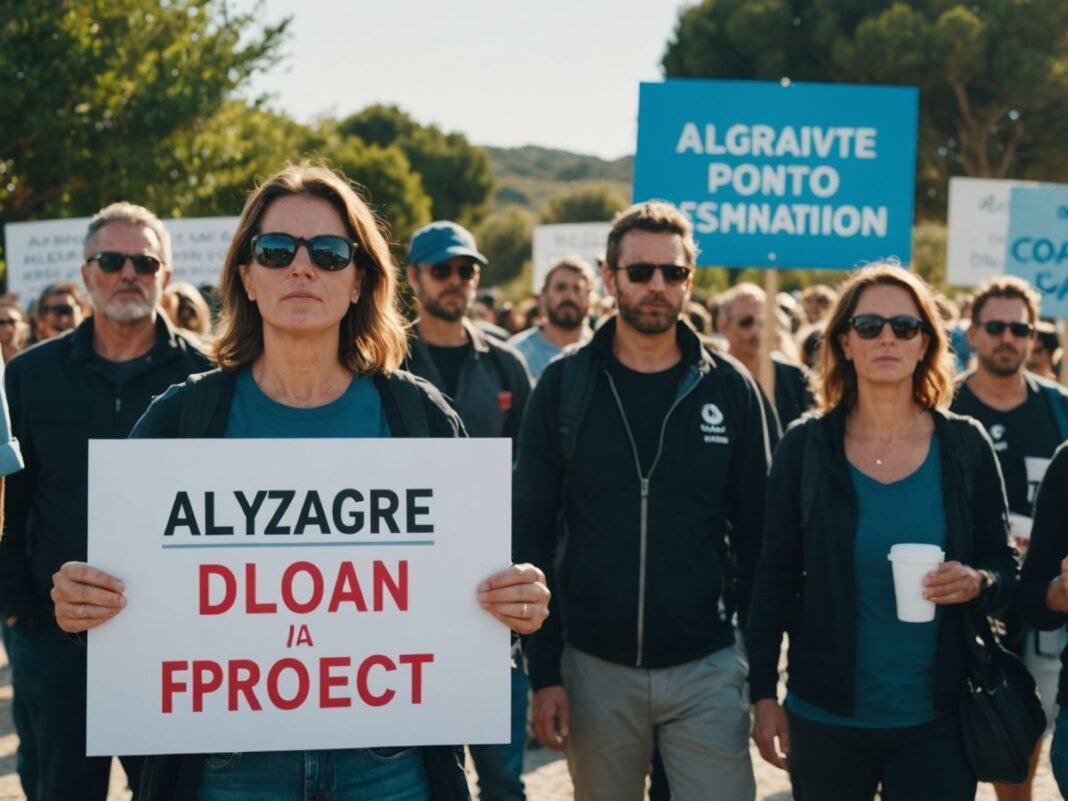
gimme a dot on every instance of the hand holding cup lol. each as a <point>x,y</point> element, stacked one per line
<point>952,583</point>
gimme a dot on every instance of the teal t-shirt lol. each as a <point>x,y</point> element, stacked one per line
<point>357,413</point>
<point>895,660</point>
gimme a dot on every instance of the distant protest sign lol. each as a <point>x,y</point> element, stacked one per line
<point>298,594</point>
<point>978,222</point>
<point>49,251</point>
<point>555,242</point>
<point>782,175</point>
<point>1037,244</point>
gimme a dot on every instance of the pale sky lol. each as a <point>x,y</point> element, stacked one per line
<point>555,73</point>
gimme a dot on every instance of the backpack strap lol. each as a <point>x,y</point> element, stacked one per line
<point>576,391</point>
<point>810,470</point>
<point>1057,403</point>
<point>407,397</point>
<point>200,400</point>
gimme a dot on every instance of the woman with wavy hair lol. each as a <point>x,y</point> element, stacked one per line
<point>311,341</point>
<point>871,699</point>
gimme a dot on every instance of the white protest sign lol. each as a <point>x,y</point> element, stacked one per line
<point>49,251</point>
<point>978,224</point>
<point>555,242</point>
<point>298,594</point>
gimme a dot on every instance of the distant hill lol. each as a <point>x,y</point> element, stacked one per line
<point>529,176</point>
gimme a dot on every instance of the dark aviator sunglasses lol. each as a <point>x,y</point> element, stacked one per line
<point>442,271</point>
<point>642,273</point>
<point>326,251</point>
<point>869,326</point>
<point>111,261</point>
<point>997,327</point>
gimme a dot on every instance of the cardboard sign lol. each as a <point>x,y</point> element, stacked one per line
<point>298,594</point>
<point>782,175</point>
<point>555,242</point>
<point>49,251</point>
<point>1037,245</point>
<point>977,223</point>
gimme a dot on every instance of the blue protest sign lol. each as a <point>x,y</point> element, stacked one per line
<point>782,175</point>
<point>1037,245</point>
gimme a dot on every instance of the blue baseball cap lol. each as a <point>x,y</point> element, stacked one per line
<point>441,241</point>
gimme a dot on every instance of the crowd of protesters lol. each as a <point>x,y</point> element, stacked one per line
<point>672,523</point>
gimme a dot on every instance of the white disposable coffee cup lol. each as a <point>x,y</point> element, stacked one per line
<point>911,562</point>
<point>1020,525</point>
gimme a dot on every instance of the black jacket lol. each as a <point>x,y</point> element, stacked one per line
<point>60,397</point>
<point>176,777</point>
<point>1049,545</point>
<point>494,383</point>
<point>640,576</point>
<point>805,581</point>
<point>792,395</point>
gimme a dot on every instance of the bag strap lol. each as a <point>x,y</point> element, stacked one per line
<point>200,399</point>
<point>576,391</point>
<point>410,406</point>
<point>810,468</point>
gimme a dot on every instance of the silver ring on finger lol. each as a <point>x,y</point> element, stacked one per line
<point>523,613</point>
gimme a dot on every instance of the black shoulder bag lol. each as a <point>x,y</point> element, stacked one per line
<point>1001,717</point>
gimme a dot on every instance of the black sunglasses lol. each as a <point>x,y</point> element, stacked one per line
<point>642,273</point>
<point>443,270</point>
<point>326,251</point>
<point>869,326</point>
<point>62,309</point>
<point>111,261</point>
<point>997,327</point>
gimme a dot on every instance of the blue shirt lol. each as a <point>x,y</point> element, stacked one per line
<point>895,660</point>
<point>539,351</point>
<point>10,454</point>
<point>357,413</point>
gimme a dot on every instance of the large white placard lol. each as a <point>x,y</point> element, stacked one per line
<point>49,251</point>
<point>978,223</point>
<point>250,628</point>
<point>554,242</point>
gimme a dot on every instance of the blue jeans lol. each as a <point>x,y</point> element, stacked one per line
<point>352,774</point>
<point>500,767</point>
<point>1058,751</point>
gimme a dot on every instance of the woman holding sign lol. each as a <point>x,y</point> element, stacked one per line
<point>885,526</point>
<point>310,346</point>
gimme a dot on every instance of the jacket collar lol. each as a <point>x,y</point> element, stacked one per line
<point>831,428</point>
<point>81,339</point>
<point>693,352</point>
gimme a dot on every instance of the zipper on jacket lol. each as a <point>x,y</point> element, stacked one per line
<point>643,531</point>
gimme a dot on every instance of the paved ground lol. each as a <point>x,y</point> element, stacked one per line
<point>545,776</point>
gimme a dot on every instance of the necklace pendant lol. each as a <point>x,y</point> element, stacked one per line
<point>879,462</point>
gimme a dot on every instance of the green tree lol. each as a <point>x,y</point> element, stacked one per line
<point>455,173</point>
<point>100,96</point>
<point>592,203</point>
<point>506,238</point>
<point>993,74</point>
<point>389,184</point>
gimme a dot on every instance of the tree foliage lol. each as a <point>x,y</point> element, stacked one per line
<point>101,98</point>
<point>506,239</point>
<point>454,173</point>
<point>993,74</point>
<point>591,203</point>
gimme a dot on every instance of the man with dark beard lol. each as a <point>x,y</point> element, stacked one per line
<point>92,382</point>
<point>565,306</point>
<point>1027,418</point>
<point>639,488</point>
<point>487,383</point>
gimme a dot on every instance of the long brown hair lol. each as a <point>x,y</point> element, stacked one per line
<point>372,331</point>
<point>932,381</point>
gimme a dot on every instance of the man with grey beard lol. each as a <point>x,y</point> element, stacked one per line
<point>93,382</point>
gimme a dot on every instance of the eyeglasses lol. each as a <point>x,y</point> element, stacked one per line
<point>642,273</point>
<point>326,251</point>
<point>869,326</point>
<point>747,321</point>
<point>111,261</point>
<point>997,327</point>
<point>6,321</point>
<point>443,270</point>
<point>60,309</point>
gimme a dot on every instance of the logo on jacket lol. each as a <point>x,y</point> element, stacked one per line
<point>997,433</point>
<point>712,426</point>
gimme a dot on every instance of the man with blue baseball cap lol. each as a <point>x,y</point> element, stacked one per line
<point>488,384</point>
